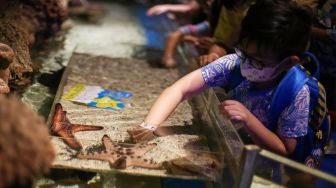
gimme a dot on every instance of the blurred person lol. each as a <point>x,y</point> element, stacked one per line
<point>198,34</point>
<point>323,44</point>
<point>227,30</point>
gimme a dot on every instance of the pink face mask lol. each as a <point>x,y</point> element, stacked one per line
<point>256,75</point>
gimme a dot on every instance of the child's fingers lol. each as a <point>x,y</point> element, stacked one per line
<point>142,133</point>
<point>195,42</point>
<point>231,107</point>
<point>143,136</point>
<point>135,131</point>
<point>236,118</point>
<point>233,113</point>
<point>229,111</point>
<point>229,102</point>
<point>140,138</point>
<point>150,12</point>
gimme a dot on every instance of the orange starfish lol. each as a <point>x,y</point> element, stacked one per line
<point>121,157</point>
<point>62,127</point>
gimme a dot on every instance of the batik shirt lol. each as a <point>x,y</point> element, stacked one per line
<point>293,121</point>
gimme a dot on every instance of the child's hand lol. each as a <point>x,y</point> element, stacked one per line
<point>206,41</point>
<point>194,40</point>
<point>157,10</point>
<point>235,110</point>
<point>140,134</point>
<point>206,59</point>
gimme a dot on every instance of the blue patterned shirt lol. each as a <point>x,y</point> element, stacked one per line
<point>293,121</point>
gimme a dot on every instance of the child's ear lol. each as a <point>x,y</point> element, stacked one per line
<point>292,61</point>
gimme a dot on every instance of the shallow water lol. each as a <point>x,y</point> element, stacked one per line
<point>117,34</point>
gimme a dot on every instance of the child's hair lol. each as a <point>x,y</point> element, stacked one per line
<point>279,26</point>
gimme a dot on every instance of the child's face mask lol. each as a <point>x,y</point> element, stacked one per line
<point>256,71</point>
<point>260,75</point>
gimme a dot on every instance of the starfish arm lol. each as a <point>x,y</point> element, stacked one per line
<point>77,127</point>
<point>102,156</point>
<point>139,161</point>
<point>56,125</point>
<point>121,157</point>
<point>115,160</point>
<point>69,139</point>
<point>109,145</point>
<point>141,149</point>
<point>64,117</point>
<point>120,163</point>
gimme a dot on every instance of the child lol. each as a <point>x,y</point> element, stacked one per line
<point>198,34</point>
<point>188,33</point>
<point>273,35</point>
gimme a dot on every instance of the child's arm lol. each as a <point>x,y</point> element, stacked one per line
<point>215,74</point>
<point>184,8</point>
<point>262,136</point>
<point>165,104</point>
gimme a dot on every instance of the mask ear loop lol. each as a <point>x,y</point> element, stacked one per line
<point>278,67</point>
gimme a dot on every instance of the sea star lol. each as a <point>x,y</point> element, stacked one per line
<point>121,157</point>
<point>194,163</point>
<point>62,127</point>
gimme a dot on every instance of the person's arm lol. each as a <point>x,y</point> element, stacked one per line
<point>170,98</point>
<point>190,85</point>
<point>183,8</point>
<point>292,123</point>
<point>165,104</point>
<point>263,137</point>
<point>185,88</point>
<point>286,147</point>
<point>268,139</point>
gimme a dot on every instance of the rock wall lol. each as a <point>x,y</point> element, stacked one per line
<point>24,23</point>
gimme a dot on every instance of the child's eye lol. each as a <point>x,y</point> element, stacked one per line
<point>257,64</point>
